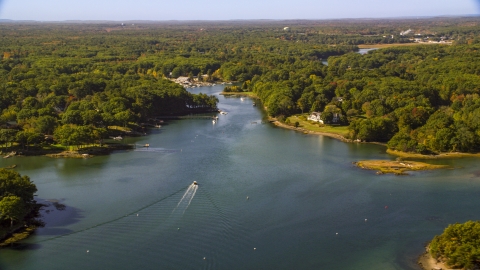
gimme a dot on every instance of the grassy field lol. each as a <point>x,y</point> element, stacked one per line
<point>246,94</point>
<point>313,126</point>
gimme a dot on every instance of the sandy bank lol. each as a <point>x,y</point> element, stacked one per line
<point>427,262</point>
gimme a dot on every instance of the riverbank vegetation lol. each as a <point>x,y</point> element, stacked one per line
<point>458,246</point>
<point>18,209</point>
<point>68,83</point>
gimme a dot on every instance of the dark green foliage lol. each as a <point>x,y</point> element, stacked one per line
<point>16,196</point>
<point>458,245</point>
<point>55,77</point>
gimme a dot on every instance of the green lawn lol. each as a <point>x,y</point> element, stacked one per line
<point>248,94</point>
<point>313,126</point>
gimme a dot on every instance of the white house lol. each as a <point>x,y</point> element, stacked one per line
<point>315,116</point>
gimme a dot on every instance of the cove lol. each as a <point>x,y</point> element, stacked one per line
<point>308,206</point>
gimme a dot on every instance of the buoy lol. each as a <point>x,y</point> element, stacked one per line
<point>386,207</point>
<point>337,233</point>
<point>254,248</point>
<point>247,197</point>
<point>204,258</point>
<point>178,229</point>
<point>365,220</point>
<point>137,215</point>
<point>88,250</point>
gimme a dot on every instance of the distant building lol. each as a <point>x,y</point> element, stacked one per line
<point>315,116</point>
<point>338,99</point>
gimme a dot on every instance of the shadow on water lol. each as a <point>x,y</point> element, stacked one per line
<point>55,215</point>
<point>24,247</point>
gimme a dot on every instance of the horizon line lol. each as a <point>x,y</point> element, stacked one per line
<point>245,20</point>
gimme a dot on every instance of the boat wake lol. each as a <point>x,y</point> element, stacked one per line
<point>156,150</point>
<point>186,199</point>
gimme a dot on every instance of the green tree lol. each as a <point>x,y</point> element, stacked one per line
<point>45,124</point>
<point>12,183</point>
<point>7,136</point>
<point>12,208</point>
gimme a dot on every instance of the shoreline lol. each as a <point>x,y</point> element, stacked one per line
<point>399,154</point>
<point>427,262</point>
<point>186,83</point>
<point>23,229</point>
<point>405,155</point>
<point>86,152</point>
<point>245,94</point>
<point>305,131</point>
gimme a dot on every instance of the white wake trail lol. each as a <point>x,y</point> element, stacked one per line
<point>186,198</point>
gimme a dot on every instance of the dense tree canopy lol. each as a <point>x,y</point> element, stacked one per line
<point>65,79</point>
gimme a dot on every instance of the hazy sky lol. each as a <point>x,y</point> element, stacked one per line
<point>55,10</point>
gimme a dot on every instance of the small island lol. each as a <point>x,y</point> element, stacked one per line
<point>396,167</point>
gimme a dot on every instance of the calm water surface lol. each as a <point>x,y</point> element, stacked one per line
<point>308,207</point>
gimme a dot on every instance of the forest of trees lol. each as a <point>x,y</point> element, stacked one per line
<point>418,99</point>
<point>73,81</point>
<point>74,85</point>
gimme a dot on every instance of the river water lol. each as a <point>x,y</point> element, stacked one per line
<point>267,198</point>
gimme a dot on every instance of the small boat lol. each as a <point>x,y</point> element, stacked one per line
<point>254,104</point>
<point>195,183</point>
<point>224,113</point>
<point>214,121</point>
<point>118,138</point>
<point>242,99</point>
